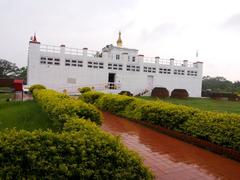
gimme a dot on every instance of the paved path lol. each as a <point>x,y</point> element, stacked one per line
<point>18,96</point>
<point>170,158</point>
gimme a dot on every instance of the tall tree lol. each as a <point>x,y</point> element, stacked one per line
<point>7,69</point>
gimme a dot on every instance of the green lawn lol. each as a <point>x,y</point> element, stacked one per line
<point>22,115</point>
<point>204,104</point>
<point>5,96</point>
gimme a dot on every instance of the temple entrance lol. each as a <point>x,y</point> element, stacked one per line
<point>150,82</point>
<point>111,80</point>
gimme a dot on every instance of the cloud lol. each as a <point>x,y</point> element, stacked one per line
<point>232,22</point>
<point>161,31</point>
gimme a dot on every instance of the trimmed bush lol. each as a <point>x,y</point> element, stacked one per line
<point>36,86</point>
<point>88,153</point>
<point>61,107</point>
<point>126,93</point>
<point>218,128</point>
<point>113,103</point>
<point>160,92</point>
<point>91,96</point>
<point>179,93</point>
<point>159,113</point>
<point>84,89</point>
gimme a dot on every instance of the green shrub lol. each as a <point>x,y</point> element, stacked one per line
<point>61,107</point>
<point>84,89</point>
<point>113,103</point>
<point>160,113</point>
<point>219,128</point>
<point>91,96</point>
<point>36,86</point>
<point>88,153</point>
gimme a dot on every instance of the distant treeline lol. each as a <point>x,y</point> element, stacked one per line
<point>220,84</point>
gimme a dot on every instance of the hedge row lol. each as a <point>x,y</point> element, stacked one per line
<point>81,151</point>
<point>61,107</point>
<point>219,128</point>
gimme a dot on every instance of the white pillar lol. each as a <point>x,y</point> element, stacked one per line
<point>185,63</point>
<point>157,58</point>
<point>85,51</point>
<point>124,58</point>
<point>33,62</point>
<point>140,58</point>
<point>62,49</point>
<point>172,61</point>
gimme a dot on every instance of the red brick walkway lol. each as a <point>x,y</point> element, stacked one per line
<point>170,158</point>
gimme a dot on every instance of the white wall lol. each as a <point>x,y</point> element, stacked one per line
<point>56,76</point>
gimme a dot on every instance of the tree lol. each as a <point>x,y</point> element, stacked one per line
<point>7,69</point>
<point>22,73</point>
<point>220,84</point>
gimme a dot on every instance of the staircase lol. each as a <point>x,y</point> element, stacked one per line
<point>144,92</point>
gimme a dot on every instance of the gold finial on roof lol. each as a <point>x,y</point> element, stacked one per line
<point>119,41</point>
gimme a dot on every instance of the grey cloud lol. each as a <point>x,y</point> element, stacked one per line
<point>161,31</point>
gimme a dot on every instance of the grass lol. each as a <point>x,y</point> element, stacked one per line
<point>5,96</point>
<point>22,115</point>
<point>204,104</point>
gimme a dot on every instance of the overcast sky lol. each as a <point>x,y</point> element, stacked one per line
<point>165,28</point>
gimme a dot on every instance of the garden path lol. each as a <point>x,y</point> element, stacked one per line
<point>170,158</point>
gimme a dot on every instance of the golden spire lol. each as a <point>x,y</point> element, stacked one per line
<point>119,41</point>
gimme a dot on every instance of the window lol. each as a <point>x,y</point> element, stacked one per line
<point>133,68</point>
<point>192,73</point>
<point>43,60</point>
<point>133,59</point>
<point>115,66</point>
<point>164,71</point>
<point>117,56</point>
<point>179,72</point>
<point>56,61</point>
<point>95,65</point>
<point>50,61</point>
<point>149,69</point>
<point>73,62</point>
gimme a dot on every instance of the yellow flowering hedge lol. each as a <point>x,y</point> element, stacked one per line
<point>219,128</point>
<point>81,151</point>
<point>60,107</point>
<point>78,150</point>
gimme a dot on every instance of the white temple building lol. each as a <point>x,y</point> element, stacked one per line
<point>113,69</point>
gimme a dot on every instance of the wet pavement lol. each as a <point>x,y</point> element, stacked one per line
<point>170,158</point>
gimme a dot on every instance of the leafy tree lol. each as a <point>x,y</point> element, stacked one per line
<point>22,73</point>
<point>7,69</point>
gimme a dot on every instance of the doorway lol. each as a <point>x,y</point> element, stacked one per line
<point>111,80</point>
<point>150,82</point>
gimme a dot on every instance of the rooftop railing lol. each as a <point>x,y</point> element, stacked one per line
<point>50,48</point>
<point>97,54</point>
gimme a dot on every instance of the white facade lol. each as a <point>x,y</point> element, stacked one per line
<point>62,68</point>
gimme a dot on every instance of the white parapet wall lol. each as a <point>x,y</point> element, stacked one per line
<point>62,68</point>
